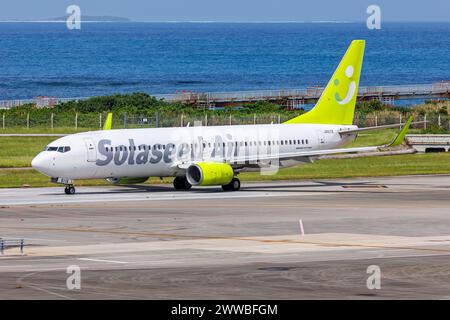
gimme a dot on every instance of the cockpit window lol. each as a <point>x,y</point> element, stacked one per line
<point>59,149</point>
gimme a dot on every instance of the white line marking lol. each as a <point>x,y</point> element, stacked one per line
<point>101,260</point>
<point>302,231</point>
<point>160,198</point>
<point>49,292</point>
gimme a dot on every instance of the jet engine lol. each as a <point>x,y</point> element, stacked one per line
<point>209,174</point>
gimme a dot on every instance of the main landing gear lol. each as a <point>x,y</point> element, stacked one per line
<point>234,185</point>
<point>181,183</point>
<point>69,189</point>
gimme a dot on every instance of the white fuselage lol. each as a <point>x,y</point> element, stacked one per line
<point>159,151</point>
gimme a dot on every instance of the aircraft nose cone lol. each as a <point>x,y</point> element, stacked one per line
<point>40,163</point>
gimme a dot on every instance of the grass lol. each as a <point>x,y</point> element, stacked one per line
<point>18,152</point>
<point>44,129</point>
<point>431,163</point>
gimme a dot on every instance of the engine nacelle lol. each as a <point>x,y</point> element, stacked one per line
<point>127,180</point>
<point>209,174</point>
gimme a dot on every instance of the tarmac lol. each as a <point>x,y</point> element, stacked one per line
<point>274,240</point>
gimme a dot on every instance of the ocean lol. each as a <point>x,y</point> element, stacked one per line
<point>47,59</point>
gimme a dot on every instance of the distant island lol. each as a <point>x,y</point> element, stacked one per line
<point>83,19</point>
<point>94,18</point>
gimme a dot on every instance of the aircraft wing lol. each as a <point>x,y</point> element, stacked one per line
<point>313,153</point>
<point>389,126</point>
<point>309,153</point>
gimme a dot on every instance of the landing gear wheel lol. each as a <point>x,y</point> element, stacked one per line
<point>234,185</point>
<point>69,190</point>
<point>181,183</point>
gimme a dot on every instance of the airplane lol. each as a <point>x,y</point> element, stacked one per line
<point>215,155</point>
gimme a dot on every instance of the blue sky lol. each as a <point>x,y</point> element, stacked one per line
<point>231,10</point>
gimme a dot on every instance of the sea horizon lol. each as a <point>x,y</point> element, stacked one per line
<point>47,59</point>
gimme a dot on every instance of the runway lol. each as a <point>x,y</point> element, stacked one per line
<point>152,242</point>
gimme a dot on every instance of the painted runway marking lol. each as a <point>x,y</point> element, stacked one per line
<point>101,260</point>
<point>171,197</point>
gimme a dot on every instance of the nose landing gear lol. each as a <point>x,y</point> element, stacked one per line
<point>69,189</point>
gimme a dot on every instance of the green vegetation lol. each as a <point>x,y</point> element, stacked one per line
<point>83,115</point>
<point>430,163</point>
<point>19,151</point>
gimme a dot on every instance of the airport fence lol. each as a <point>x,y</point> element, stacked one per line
<point>94,121</point>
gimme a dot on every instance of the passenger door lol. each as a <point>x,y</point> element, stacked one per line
<point>91,150</point>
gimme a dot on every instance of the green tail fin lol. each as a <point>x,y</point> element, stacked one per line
<point>337,102</point>
<point>108,122</point>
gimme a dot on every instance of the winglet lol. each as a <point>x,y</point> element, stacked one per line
<point>401,136</point>
<point>108,122</point>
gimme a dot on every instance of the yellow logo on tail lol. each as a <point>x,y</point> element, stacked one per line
<point>337,102</point>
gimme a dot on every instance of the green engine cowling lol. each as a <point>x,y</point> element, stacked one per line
<point>209,174</point>
<point>127,180</point>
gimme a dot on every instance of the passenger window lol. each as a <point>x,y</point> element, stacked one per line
<point>306,141</point>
